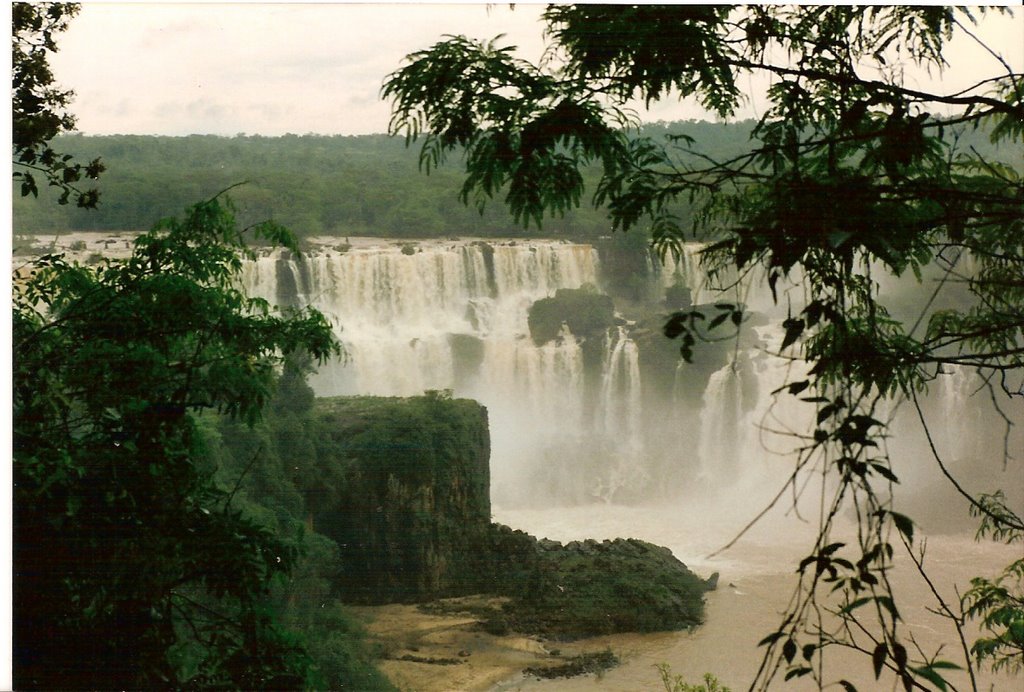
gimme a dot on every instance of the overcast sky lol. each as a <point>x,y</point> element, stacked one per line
<point>175,69</point>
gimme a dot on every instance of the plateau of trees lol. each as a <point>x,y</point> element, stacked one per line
<point>852,174</point>
<point>363,185</point>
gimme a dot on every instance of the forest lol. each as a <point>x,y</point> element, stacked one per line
<point>366,185</point>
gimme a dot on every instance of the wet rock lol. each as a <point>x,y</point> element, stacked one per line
<point>588,588</point>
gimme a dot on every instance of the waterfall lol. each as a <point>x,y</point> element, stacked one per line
<point>722,419</point>
<point>453,316</point>
<point>685,270</point>
<point>611,417</point>
<point>621,411</point>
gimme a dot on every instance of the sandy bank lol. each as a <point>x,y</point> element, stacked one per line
<point>438,653</point>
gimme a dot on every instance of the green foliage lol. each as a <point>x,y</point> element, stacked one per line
<point>474,102</point>
<point>998,603</point>
<point>675,683</point>
<point>272,471</point>
<point>38,106</point>
<point>315,185</point>
<point>126,549</point>
<point>846,179</point>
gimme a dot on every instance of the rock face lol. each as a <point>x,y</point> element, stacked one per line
<point>584,311</point>
<point>411,506</point>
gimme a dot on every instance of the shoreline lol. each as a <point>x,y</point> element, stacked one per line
<point>430,652</point>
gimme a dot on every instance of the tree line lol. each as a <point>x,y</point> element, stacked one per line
<point>367,185</point>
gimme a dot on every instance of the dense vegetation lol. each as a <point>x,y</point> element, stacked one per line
<point>279,476</point>
<point>584,311</point>
<point>589,588</point>
<point>848,176</point>
<point>365,185</point>
<point>134,567</point>
<point>341,185</point>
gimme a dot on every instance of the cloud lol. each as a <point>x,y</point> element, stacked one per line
<point>270,69</point>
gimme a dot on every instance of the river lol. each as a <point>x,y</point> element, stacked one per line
<point>757,577</point>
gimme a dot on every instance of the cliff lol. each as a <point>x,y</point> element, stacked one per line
<point>406,497</point>
<point>411,507</point>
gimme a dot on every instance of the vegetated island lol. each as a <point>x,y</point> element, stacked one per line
<point>409,508</point>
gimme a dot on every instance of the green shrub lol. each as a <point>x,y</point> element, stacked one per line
<point>675,683</point>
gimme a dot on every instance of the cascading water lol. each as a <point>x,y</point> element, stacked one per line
<point>566,427</point>
<point>440,315</point>
<point>453,316</point>
<point>620,413</point>
<point>722,418</point>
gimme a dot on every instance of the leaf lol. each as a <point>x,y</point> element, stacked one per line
<point>773,278</point>
<point>831,548</point>
<point>808,651</point>
<point>719,319</point>
<point>789,650</point>
<point>929,674</point>
<point>885,472</point>
<point>797,387</point>
<point>878,658</point>
<point>899,654</point>
<point>794,328</point>
<point>675,325</point>
<point>904,525</point>
<point>772,638</point>
<point>827,412</point>
<point>889,605</point>
<point>853,605</point>
<point>848,686</point>
<point>813,312</point>
<point>798,672</point>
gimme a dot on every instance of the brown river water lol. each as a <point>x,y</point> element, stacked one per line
<point>757,580</point>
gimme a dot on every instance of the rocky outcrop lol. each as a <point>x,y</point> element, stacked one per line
<point>411,508</point>
<point>589,588</point>
<point>586,313</point>
<point>410,512</point>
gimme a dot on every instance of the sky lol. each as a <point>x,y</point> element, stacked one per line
<point>256,68</point>
<point>271,69</point>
